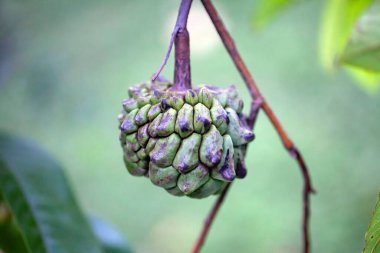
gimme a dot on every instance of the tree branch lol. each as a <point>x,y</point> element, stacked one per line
<point>210,218</point>
<point>258,99</point>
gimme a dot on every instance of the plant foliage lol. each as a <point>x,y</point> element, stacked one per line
<point>349,35</point>
<point>372,237</point>
<point>38,210</point>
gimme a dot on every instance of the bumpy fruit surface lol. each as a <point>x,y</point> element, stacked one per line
<point>187,142</point>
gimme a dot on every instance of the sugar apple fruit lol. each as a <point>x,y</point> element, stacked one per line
<point>189,142</point>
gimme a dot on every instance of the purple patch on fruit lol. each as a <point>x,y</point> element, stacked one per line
<point>159,154</point>
<point>156,94</point>
<point>139,118</point>
<point>192,93</point>
<point>154,109</point>
<point>228,118</point>
<point>248,136</point>
<point>212,156</point>
<point>184,125</point>
<point>241,170</point>
<point>206,122</point>
<point>126,125</point>
<point>167,117</point>
<point>183,167</point>
<point>226,171</point>
<point>128,102</point>
<point>164,104</point>
<point>142,134</point>
<point>223,117</point>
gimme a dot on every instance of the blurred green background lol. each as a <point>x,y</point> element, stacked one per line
<point>65,67</point>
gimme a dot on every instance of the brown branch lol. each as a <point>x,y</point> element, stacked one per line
<point>258,98</point>
<point>306,199</point>
<point>181,24</point>
<point>210,218</point>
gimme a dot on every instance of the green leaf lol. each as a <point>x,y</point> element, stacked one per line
<point>11,238</point>
<point>338,19</point>
<point>267,9</point>
<point>372,237</point>
<point>111,240</point>
<point>363,49</point>
<point>40,198</point>
<point>368,80</point>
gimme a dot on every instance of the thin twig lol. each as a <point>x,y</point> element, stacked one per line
<point>180,24</point>
<point>256,96</point>
<point>210,218</point>
<point>306,200</point>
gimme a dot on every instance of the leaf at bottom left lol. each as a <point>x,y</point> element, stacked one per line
<point>38,194</point>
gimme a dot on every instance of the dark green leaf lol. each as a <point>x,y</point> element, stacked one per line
<point>40,198</point>
<point>372,237</point>
<point>111,240</point>
<point>338,19</point>
<point>363,49</point>
<point>11,238</point>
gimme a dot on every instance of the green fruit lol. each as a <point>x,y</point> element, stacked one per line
<point>187,142</point>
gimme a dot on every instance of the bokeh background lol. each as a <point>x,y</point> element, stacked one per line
<point>65,67</point>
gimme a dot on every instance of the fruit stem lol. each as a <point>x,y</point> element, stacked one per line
<point>180,38</point>
<point>182,73</point>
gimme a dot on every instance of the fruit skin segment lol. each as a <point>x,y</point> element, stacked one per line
<point>187,142</point>
<point>187,157</point>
